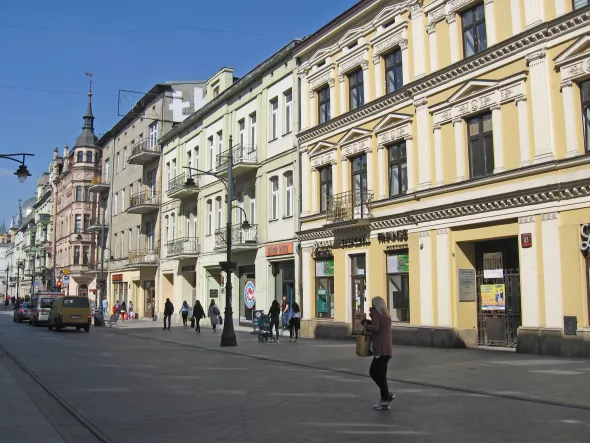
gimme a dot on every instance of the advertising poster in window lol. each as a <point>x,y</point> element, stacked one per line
<point>493,297</point>
<point>398,263</point>
<point>322,300</point>
<point>493,266</point>
<point>324,268</point>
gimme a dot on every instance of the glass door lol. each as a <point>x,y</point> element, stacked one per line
<point>359,285</point>
<point>359,185</point>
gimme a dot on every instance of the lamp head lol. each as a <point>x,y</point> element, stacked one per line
<point>22,173</point>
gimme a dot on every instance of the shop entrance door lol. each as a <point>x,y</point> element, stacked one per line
<point>359,285</point>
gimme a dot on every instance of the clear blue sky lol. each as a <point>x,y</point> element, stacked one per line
<point>129,44</point>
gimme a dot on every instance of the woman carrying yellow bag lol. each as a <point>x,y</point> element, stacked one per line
<point>380,345</point>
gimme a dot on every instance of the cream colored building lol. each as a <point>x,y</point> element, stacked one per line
<point>445,168</point>
<point>257,111</point>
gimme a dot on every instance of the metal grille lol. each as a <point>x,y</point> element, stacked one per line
<point>351,205</point>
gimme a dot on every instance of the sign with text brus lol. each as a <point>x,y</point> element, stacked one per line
<point>493,266</point>
<point>279,249</point>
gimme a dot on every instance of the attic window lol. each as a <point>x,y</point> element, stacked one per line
<point>389,23</point>
<point>215,91</point>
<point>320,64</point>
<point>352,45</point>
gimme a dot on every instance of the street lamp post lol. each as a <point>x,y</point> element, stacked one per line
<point>19,264</point>
<point>22,172</point>
<point>101,283</point>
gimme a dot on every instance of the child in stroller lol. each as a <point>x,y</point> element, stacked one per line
<point>264,332</point>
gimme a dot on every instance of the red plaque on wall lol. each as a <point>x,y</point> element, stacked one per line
<point>526,240</point>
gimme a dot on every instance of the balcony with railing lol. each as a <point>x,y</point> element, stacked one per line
<point>100,183</point>
<point>95,224</point>
<point>245,158</point>
<point>349,208</point>
<point>81,237</point>
<point>144,202</point>
<point>144,152</point>
<point>242,237</point>
<point>82,267</point>
<point>186,247</point>
<point>43,219</point>
<point>182,187</point>
<point>143,257</point>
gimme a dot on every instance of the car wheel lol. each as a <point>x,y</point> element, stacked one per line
<point>87,328</point>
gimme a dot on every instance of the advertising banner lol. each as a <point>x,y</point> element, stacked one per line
<point>493,266</point>
<point>493,297</point>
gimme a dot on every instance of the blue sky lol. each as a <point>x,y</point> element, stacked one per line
<point>128,44</point>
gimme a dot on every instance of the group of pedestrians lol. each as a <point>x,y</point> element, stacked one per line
<point>291,317</point>
<point>198,314</point>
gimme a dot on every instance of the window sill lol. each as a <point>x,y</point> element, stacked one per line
<point>287,133</point>
<point>273,220</point>
<point>287,216</point>
<point>273,140</point>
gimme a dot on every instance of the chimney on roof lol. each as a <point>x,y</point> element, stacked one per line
<point>66,158</point>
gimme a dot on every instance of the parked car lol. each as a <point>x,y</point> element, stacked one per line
<point>22,313</point>
<point>40,305</point>
<point>70,311</point>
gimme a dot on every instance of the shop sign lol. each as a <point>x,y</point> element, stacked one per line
<point>279,249</point>
<point>466,284</point>
<point>585,232</point>
<point>526,240</point>
<point>189,268</point>
<point>398,263</point>
<point>492,265</point>
<point>250,294</point>
<point>324,268</point>
<point>351,242</point>
<point>493,297</point>
<point>393,236</point>
<point>213,293</point>
<point>117,277</point>
<point>256,314</point>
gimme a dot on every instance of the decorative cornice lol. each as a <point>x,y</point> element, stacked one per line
<point>525,220</point>
<point>376,59</point>
<point>451,18</point>
<point>565,84</point>
<point>520,99</point>
<point>443,231</point>
<point>403,44</point>
<point>430,29</point>
<point>419,102</point>
<point>549,216</point>
<point>536,56</point>
<point>424,234</point>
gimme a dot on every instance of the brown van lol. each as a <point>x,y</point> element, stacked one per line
<point>70,311</point>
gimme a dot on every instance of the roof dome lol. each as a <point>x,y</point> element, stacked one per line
<point>27,207</point>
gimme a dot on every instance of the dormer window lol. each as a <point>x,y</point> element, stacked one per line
<point>80,157</point>
<point>215,91</point>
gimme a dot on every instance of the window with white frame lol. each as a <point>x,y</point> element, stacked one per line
<point>242,131</point>
<point>209,217</point>
<point>153,141</point>
<point>173,168</point>
<point>195,224</point>
<point>579,4</point>
<point>189,162</point>
<point>107,167</point>
<point>149,228</point>
<point>481,145</point>
<point>473,22</point>
<point>123,200</point>
<point>274,118</point>
<point>196,158</point>
<point>138,245</point>
<point>167,230</point>
<point>288,98</point>
<point>219,212</point>
<point>124,158</point>
<point>78,228</point>
<point>252,208</point>
<point>122,243</point>
<point>129,240</point>
<point>168,176</point>
<point>116,205</point>
<point>289,194</point>
<point>211,153</point>
<point>253,133</point>
<point>118,165</point>
<point>116,243</point>
<point>219,142</point>
<point>274,198</point>
<point>187,223</point>
<point>172,227</point>
<point>79,193</point>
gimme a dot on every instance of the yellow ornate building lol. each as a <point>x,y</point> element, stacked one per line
<point>445,168</point>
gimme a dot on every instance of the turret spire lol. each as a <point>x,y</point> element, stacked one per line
<point>87,138</point>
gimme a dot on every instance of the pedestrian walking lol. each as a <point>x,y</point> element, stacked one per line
<point>184,312</point>
<point>285,312</point>
<point>380,328</point>
<point>123,308</point>
<point>131,313</point>
<point>274,312</point>
<point>168,311</point>
<point>198,314</point>
<point>295,323</point>
<point>105,307</point>
<point>214,315</point>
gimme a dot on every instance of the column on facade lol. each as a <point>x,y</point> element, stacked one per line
<point>523,132</point>
<point>426,308</point>
<point>516,17</point>
<point>332,85</point>
<point>453,36</point>
<point>304,103</point>
<point>342,82</point>
<point>366,81</point>
<point>430,29</point>
<point>370,184</point>
<point>438,154</point>
<point>443,277</point>
<point>315,183</point>
<point>541,101</point>
<point>307,285</point>
<point>552,270</point>
<point>344,171</point>
<point>412,159</point>
<point>378,76</point>
<point>334,175</point>
<point>422,119</point>
<point>312,109</point>
<point>459,126</point>
<point>534,12</point>
<point>381,162</point>
<point>560,7</point>
<point>403,45</point>
<point>490,22</point>
<point>419,52</point>
<point>571,138</point>
<point>529,286</point>
<point>498,144</point>
<point>305,183</point>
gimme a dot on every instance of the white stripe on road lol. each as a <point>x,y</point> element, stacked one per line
<point>557,372</point>
<point>310,394</point>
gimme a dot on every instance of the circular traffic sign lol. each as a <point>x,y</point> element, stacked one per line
<point>250,294</point>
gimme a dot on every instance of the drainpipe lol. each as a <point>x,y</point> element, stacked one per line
<point>299,196</point>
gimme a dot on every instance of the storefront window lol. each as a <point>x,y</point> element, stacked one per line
<point>324,271</point>
<point>149,297</point>
<point>398,287</point>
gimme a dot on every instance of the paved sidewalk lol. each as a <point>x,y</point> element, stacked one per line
<point>20,420</point>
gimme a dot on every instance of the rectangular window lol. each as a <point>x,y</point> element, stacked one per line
<point>211,153</point>
<point>359,186</point>
<point>579,4</point>
<point>274,116</point>
<point>274,187</point>
<point>123,200</point>
<point>253,133</point>
<point>86,255</point>
<point>88,198</point>
<point>168,176</point>
<point>585,89</point>
<point>324,104</point>
<point>325,187</point>
<point>242,131</point>
<point>209,217</point>
<point>116,205</point>
<point>78,228</point>
<point>219,142</point>
<point>118,165</point>
<point>324,286</point>
<point>138,245</point>
<point>219,213</point>
<point>116,244</point>
<point>125,157</point>
<point>398,287</point>
<point>393,71</point>
<point>215,91</point>
<point>252,210</point>
<point>356,92</point>
<point>76,255</point>
<point>398,169</point>
<point>153,140</point>
<point>129,240</point>
<point>288,97</point>
<point>86,222</point>
<point>289,194</point>
<point>481,145</point>
<point>474,30</point>
<point>79,193</point>
<point>107,167</point>
<point>196,159</point>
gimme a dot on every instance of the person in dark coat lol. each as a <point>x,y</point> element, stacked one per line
<point>274,313</point>
<point>168,311</point>
<point>198,314</point>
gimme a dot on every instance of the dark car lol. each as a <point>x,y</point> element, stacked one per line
<point>22,313</point>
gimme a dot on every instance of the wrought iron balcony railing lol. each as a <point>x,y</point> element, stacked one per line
<point>178,183</point>
<point>241,236</point>
<point>348,206</point>
<point>183,246</point>
<point>146,145</point>
<point>145,198</point>
<point>242,154</point>
<point>143,256</point>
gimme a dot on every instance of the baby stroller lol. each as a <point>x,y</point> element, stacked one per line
<point>264,332</point>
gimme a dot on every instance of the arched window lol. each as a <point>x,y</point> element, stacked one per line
<point>82,291</point>
<point>80,156</point>
<point>89,156</point>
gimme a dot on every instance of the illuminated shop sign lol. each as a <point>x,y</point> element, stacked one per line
<point>393,236</point>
